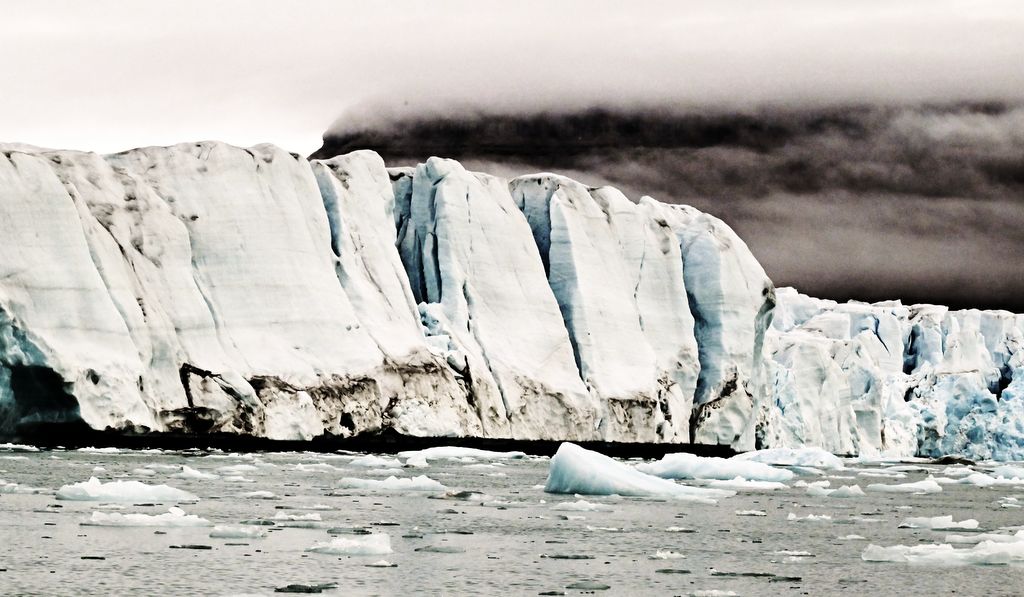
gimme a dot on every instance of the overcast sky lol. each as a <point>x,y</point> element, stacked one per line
<point>110,75</point>
<point>918,193</point>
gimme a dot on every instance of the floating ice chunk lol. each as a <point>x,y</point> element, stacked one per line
<point>851,538</point>
<point>163,467</point>
<point>122,491</point>
<point>926,486</point>
<point>416,461</point>
<point>577,470</point>
<point>312,516</point>
<point>882,474</point>
<point>240,532</point>
<point>938,523</point>
<point>666,554</point>
<point>420,483</point>
<point>258,495</point>
<point>802,483</point>
<point>741,484</point>
<point>846,491</point>
<point>318,467</point>
<point>381,564</point>
<point>11,487</point>
<point>979,537</point>
<point>690,466</point>
<point>581,506</point>
<point>188,472</point>
<point>144,472</point>
<point>713,593</point>
<point>377,544</point>
<point>371,461</point>
<point>814,457</point>
<point>1009,472</point>
<point>795,554</point>
<point>984,553</point>
<point>99,450</point>
<point>174,517</point>
<point>809,517</point>
<point>17,448</point>
<point>751,513</point>
<point>448,452</point>
<point>237,469</point>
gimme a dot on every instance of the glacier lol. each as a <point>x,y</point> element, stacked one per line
<point>203,288</point>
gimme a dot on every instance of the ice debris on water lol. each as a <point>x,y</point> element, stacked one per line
<point>174,517</point>
<point>122,491</point>
<point>944,554</point>
<point>801,457</point>
<point>237,532</point>
<point>391,484</point>
<point>690,466</point>
<point>919,487</point>
<point>938,523</point>
<point>367,545</point>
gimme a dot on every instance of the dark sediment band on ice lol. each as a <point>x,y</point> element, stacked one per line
<point>79,435</point>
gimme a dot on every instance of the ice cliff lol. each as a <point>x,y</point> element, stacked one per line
<point>207,288</point>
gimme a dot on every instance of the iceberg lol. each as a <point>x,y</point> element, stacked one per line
<point>919,487</point>
<point>122,491</point>
<point>984,553</point>
<point>938,523</point>
<point>799,457</point>
<point>575,470</point>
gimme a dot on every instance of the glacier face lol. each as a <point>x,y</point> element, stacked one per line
<point>209,288</point>
<point>900,380</point>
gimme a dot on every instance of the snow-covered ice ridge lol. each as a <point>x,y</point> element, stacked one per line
<point>204,287</point>
<point>898,379</point>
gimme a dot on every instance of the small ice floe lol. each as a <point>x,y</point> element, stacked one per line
<point>979,537</point>
<point>881,474</point>
<point>163,467</point>
<point>258,495</point>
<point>188,472</point>
<point>237,532</point>
<point>713,593</point>
<point>938,523</point>
<point>174,517</point>
<point>416,461</point>
<point>846,491</point>
<point>1008,472</point>
<point>91,450</point>
<point>802,457</point>
<point>391,484</point>
<point>457,453</point>
<point>577,470</point>
<point>382,472</point>
<point>850,538</point>
<point>809,517</point>
<point>16,488</point>
<point>376,544</point>
<point>741,484</point>
<point>919,487</point>
<point>822,483</point>
<point>98,469</point>
<point>316,467</point>
<point>122,491</point>
<point>751,513</point>
<point>312,516</point>
<point>1009,502</point>
<point>691,466</point>
<point>604,529</point>
<point>944,554</point>
<point>679,530</point>
<point>983,480</point>
<point>237,469</point>
<point>666,554</point>
<point>144,472</point>
<point>793,553</point>
<point>381,564</point>
<point>581,506</point>
<point>371,461</point>
<point>7,447</point>
<point>441,549</point>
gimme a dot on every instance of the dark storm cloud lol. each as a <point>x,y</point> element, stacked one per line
<point>923,202</point>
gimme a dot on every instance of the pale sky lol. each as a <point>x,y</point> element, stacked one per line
<point>114,74</point>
